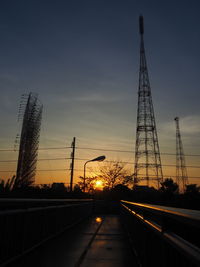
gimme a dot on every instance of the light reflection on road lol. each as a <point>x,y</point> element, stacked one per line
<point>98,219</point>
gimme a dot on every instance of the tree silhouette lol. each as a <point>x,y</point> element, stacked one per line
<point>110,174</point>
<point>114,173</point>
<point>89,183</point>
<point>192,189</point>
<point>169,186</point>
<point>8,185</point>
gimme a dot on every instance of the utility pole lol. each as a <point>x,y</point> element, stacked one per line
<point>181,170</point>
<point>73,145</point>
<point>147,154</point>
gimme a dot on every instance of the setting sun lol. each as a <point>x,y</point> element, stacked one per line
<point>99,184</point>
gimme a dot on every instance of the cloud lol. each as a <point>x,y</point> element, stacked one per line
<point>190,134</point>
<point>92,97</point>
<point>189,126</point>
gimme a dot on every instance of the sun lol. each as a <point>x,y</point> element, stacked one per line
<point>98,184</point>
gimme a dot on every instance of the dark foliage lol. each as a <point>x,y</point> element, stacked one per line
<point>167,196</point>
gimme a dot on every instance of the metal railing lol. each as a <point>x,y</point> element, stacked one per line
<point>163,236</point>
<point>21,203</point>
<point>21,230</point>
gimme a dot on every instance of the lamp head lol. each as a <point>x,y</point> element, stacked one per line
<point>100,158</point>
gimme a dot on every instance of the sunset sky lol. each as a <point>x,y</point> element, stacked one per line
<point>82,58</point>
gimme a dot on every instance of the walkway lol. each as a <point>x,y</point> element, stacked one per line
<point>98,242</point>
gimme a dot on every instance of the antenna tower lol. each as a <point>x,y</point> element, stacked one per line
<point>29,142</point>
<point>181,171</point>
<point>147,154</point>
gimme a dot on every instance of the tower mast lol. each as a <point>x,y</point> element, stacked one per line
<point>29,142</point>
<point>147,154</point>
<point>181,171</point>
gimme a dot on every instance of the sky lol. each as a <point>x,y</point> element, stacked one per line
<point>82,58</point>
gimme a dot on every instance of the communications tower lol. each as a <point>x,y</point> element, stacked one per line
<point>147,154</point>
<point>181,171</point>
<point>29,141</point>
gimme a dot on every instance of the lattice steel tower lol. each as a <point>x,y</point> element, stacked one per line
<point>29,142</point>
<point>181,171</point>
<point>147,155</point>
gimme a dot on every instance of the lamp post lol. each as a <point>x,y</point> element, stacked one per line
<point>100,158</point>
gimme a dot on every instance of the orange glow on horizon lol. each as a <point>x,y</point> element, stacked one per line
<point>50,171</point>
<point>98,184</point>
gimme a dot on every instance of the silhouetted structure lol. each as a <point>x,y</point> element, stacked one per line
<point>147,155</point>
<point>73,145</point>
<point>29,142</point>
<point>181,171</point>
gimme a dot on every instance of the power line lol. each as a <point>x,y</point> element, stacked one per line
<point>168,176</point>
<point>54,159</point>
<point>84,159</point>
<point>43,148</point>
<point>99,149</point>
<point>174,176</point>
<point>127,162</point>
<point>53,170</point>
<point>109,150</point>
<point>49,148</point>
<point>37,159</point>
<point>128,151</point>
<point>41,170</point>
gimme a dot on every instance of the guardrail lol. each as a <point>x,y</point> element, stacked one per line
<point>21,230</point>
<point>163,236</point>
<point>21,203</point>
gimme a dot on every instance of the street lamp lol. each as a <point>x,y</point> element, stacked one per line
<point>100,158</point>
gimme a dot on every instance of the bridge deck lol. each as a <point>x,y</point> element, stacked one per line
<point>100,241</point>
